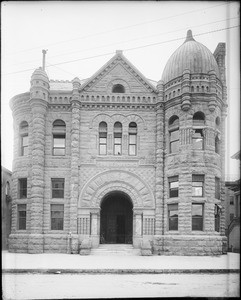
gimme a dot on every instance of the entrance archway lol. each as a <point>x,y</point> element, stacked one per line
<point>116,219</point>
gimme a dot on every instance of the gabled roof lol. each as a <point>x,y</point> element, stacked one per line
<point>119,57</point>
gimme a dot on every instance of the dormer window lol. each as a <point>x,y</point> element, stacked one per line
<point>118,88</point>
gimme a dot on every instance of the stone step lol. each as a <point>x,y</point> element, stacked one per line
<point>115,249</point>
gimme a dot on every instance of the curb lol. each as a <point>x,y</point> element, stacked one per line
<point>119,271</point>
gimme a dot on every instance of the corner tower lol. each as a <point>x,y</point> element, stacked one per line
<point>194,110</point>
<point>29,111</point>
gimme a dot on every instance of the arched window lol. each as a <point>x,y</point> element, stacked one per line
<point>217,121</point>
<point>173,125</point>
<point>23,130</point>
<point>118,88</point>
<point>117,138</point>
<point>132,138</point>
<point>102,138</point>
<point>217,145</point>
<point>198,118</point>
<point>198,134</point>
<point>59,135</point>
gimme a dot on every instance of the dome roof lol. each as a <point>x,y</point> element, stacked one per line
<point>190,55</point>
<point>40,74</point>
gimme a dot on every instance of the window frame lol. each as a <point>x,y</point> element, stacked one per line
<point>173,191</point>
<point>103,135</point>
<point>217,188</point>
<point>120,88</point>
<point>217,218</point>
<point>59,132</point>
<point>57,189</point>
<point>22,220</point>
<point>56,222</point>
<point>196,218</point>
<point>132,132</point>
<point>173,127</point>
<point>195,138</point>
<point>117,137</point>
<point>172,218</point>
<point>23,188</point>
<point>197,185</point>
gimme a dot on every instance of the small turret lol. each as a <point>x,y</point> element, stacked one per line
<point>39,85</point>
<point>76,86</point>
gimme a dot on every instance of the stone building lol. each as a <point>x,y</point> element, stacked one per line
<point>6,205</point>
<point>118,158</point>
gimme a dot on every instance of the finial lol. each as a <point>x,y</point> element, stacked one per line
<point>189,36</point>
<point>44,53</point>
<point>119,51</point>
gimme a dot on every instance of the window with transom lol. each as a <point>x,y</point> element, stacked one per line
<point>103,138</point>
<point>132,138</point>
<point>59,136</point>
<point>173,125</point>
<point>117,138</point>
<point>24,138</point>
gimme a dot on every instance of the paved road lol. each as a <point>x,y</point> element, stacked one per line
<point>67,286</point>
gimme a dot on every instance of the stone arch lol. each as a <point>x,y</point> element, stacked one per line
<point>111,119</point>
<point>115,180</point>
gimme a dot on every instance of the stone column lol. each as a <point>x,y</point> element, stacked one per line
<point>95,225</point>
<point>74,172</point>
<point>137,232</point>
<point>35,243</point>
<point>159,162</point>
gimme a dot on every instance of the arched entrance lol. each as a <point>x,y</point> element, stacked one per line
<point>116,219</point>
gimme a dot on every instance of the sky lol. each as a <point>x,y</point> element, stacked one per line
<point>82,36</point>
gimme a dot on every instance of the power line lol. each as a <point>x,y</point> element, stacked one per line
<point>129,49</point>
<point>127,41</point>
<point>120,28</point>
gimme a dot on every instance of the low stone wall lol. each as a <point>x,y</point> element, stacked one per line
<point>188,245</point>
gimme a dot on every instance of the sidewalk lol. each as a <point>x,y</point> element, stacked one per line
<point>74,263</point>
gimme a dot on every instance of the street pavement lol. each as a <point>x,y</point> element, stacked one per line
<point>92,264</point>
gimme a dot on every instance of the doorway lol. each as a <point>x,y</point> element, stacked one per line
<point>116,219</point>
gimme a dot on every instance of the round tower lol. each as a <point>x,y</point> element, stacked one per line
<point>193,158</point>
<point>29,110</point>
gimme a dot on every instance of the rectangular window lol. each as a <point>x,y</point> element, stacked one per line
<point>117,143</point>
<point>217,188</point>
<point>197,139</point>
<point>173,216</point>
<point>231,198</point>
<point>198,185</point>
<point>132,144</point>
<point>24,145</point>
<point>217,213</point>
<point>103,143</point>
<point>174,141</point>
<point>57,216</point>
<point>59,144</point>
<point>173,186</point>
<point>57,188</point>
<point>197,216</point>
<point>22,216</point>
<point>22,188</point>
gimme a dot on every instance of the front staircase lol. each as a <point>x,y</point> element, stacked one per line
<point>115,249</point>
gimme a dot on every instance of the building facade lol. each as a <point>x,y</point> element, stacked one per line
<point>6,205</point>
<point>118,158</point>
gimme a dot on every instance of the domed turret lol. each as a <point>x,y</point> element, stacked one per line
<point>191,55</point>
